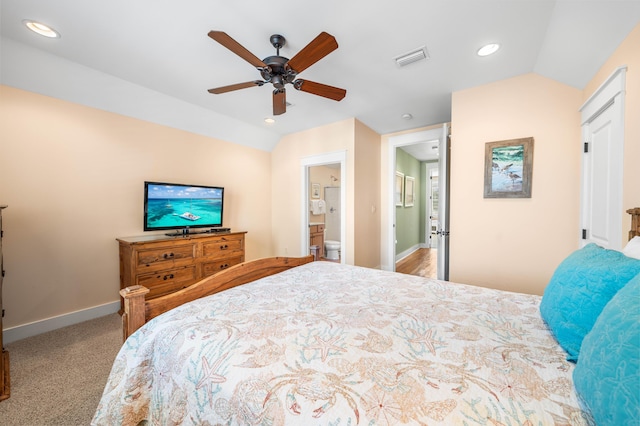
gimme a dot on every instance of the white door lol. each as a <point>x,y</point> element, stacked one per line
<point>443,205</point>
<point>602,132</point>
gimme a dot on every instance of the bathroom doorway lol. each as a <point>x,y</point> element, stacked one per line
<point>323,197</point>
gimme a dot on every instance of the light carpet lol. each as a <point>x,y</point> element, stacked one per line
<point>57,378</point>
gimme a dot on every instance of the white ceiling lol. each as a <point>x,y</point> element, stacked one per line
<point>423,151</point>
<point>163,46</point>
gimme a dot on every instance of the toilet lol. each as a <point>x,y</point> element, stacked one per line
<point>332,249</point>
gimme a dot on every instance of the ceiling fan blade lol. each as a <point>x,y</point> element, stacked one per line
<point>317,49</point>
<point>279,102</point>
<point>237,86</point>
<point>320,89</point>
<point>225,40</point>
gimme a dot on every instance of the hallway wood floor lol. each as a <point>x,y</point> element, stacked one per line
<point>422,262</point>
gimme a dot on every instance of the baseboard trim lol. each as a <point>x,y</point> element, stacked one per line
<point>49,324</point>
<point>407,252</point>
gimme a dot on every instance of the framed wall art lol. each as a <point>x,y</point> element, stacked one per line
<point>315,190</point>
<point>409,191</point>
<point>398,190</point>
<point>508,166</point>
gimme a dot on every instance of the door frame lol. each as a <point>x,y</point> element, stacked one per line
<point>394,143</point>
<point>337,157</point>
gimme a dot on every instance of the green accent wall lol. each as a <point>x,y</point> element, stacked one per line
<point>410,221</point>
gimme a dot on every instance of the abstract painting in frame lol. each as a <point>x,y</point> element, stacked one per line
<point>508,166</point>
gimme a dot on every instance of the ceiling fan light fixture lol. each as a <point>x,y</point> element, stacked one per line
<point>488,49</point>
<point>411,57</point>
<point>280,71</point>
<point>42,29</point>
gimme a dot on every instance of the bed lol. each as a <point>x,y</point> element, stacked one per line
<point>320,343</point>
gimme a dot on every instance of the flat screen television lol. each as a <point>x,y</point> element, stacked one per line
<point>179,206</point>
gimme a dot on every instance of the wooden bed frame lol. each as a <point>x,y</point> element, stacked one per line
<point>138,311</point>
<point>635,222</point>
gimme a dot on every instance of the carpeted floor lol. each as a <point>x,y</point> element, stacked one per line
<point>57,378</point>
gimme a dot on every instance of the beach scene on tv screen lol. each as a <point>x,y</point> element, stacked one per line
<point>181,206</point>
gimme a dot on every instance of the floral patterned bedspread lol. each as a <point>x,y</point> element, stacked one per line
<point>330,344</point>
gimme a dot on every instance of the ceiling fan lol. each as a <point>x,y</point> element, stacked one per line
<point>280,71</point>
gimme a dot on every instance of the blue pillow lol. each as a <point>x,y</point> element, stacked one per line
<point>607,376</point>
<point>580,288</point>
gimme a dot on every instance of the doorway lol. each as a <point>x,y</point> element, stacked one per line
<point>436,220</point>
<point>323,196</point>
<point>416,253</point>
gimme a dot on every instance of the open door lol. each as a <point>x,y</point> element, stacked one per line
<point>442,231</point>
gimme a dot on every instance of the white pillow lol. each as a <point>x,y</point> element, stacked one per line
<point>632,249</point>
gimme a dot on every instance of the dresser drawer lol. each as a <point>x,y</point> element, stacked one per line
<point>223,247</point>
<point>167,281</point>
<point>210,268</point>
<point>166,264</point>
<point>165,255</point>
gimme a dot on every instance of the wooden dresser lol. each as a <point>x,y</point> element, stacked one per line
<point>167,264</point>
<point>5,383</point>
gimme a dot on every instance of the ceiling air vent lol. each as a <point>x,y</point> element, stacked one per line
<point>411,57</point>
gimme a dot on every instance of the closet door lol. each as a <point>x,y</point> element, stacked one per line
<point>602,132</point>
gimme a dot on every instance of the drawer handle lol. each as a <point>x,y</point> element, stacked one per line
<point>224,247</point>
<point>166,277</point>
<point>225,266</point>
<point>168,255</point>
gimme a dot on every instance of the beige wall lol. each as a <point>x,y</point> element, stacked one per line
<point>350,136</point>
<point>628,53</point>
<point>514,244</point>
<point>286,185</point>
<point>73,179</point>
<point>367,197</point>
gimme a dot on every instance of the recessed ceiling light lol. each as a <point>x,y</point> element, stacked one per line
<point>269,120</point>
<point>41,29</point>
<point>407,116</point>
<point>488,49</point>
